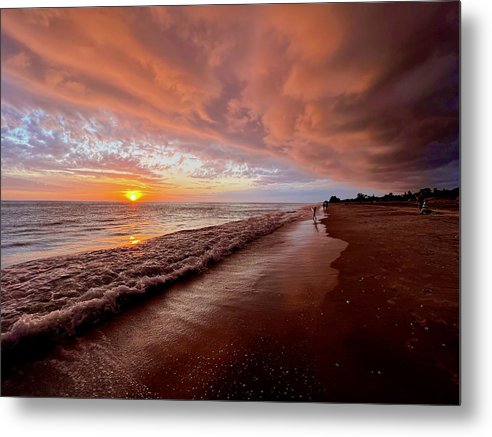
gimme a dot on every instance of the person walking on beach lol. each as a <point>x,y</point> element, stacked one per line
<point>314,213</point>
<point>420,200</point>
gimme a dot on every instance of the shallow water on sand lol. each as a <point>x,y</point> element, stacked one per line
<point>243,330</point>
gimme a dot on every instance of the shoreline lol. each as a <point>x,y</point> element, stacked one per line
<point>397,303</point>
<point>297,315</point>
<point>51,298</point>
<point>198,340</point>
<point>33,232</point>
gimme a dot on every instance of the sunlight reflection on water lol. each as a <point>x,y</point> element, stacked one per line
<point>33,230</point>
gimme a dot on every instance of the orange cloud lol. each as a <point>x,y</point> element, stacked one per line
<point>365,94</point>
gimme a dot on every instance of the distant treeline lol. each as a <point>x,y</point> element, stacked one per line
<point>426,193</point>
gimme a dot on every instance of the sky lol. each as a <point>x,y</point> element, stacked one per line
<point>288,103</point>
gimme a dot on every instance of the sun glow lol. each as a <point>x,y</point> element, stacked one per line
<point>133,195</point>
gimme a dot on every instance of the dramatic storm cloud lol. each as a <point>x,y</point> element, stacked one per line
<point>197,102</point>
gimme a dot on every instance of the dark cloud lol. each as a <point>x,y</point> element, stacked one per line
<point>365,94</point>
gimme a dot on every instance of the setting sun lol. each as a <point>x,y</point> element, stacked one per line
<point>133,195</point>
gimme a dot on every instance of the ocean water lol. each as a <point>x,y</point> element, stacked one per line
<point>34,230</point>
<point>246,329</point>
<point>72,264</point>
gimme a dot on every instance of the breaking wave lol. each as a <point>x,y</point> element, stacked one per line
<point>55,297</point>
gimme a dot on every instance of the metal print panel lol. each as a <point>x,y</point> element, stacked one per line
<point>244,202</point>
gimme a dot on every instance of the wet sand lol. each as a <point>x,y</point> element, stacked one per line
<point>288,319</point>
<point>243,330</point>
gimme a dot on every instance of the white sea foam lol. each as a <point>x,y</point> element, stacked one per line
<point>56,296</point>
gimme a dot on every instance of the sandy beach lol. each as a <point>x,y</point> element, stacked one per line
<point>395,309</point>
<point>361,307</point>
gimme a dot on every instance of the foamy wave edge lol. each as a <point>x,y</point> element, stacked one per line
<point>54,297</point>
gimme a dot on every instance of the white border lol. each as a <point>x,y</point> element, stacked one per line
<point>56,417</point>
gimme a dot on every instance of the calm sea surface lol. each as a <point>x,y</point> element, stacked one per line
<point>33,230</point>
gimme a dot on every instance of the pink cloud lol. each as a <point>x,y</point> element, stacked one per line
<point>363,94</point>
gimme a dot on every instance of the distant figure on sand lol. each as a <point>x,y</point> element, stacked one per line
<point>425,209</point>
<point>420,200</point>
<point>314,213</point>
<point>325,205</point>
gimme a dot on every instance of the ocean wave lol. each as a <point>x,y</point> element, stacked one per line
<point>17,244</point>
<point>60,222</point>
<point>54,297</point>
<point>43,229</point>
<point>45,224</point>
